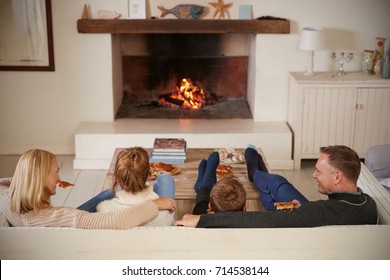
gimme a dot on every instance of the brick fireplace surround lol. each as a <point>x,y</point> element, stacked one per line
<point>96,141</point>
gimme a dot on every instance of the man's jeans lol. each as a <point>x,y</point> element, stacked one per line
<point>275,188</point>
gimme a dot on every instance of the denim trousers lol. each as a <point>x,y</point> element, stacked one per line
<point>91,204</point>
<point>164,186</point>
<point>275,188</point>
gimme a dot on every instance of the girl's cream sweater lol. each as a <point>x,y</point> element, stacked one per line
<point>124,199</point>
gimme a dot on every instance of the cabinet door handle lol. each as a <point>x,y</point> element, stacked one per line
<point>359,106</point>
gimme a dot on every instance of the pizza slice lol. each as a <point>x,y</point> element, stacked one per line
<point>284,206</point>
<point>64,184</point>
<point>158,168</point>
<point>224,170</point>
<point>166,167</point>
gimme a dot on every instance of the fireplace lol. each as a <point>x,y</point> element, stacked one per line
<point>152,75</point>
<point>225,42</point>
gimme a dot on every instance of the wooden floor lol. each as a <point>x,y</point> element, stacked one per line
<point>90,182</point>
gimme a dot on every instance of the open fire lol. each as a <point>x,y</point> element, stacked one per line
<point>186,95</point>
<point>196,87</point>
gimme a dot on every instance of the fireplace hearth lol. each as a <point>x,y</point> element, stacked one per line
<point>222,109</point>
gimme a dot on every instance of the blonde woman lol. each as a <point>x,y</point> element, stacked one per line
<point>25,200</point>
<point>131,187</point>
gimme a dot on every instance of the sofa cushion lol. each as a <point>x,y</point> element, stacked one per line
<point>377,161</point>
<point>371,186</point>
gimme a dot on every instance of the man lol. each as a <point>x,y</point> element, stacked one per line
<point>336,171</point>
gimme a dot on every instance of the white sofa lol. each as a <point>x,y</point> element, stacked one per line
<point>331,242</point>
<point>377,161</point>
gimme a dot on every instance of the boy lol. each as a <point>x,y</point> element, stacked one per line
<point>226,195</point>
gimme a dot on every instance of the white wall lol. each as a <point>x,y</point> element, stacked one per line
<point>43,109</point>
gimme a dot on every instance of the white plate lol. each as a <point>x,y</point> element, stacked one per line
<point>232,162</point>
<point>231,156</point>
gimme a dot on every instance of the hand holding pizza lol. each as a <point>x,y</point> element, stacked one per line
<point>297,204</point>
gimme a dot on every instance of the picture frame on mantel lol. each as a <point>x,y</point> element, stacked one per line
<point>137,9</point>
<point>26,36</point>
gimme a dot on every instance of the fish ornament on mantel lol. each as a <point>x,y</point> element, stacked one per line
<point>183,11</point>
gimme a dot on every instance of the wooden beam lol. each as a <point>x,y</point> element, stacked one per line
<point>173,26</point>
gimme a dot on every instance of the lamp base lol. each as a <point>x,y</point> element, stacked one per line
<point>308,73</point>
<point>309,63</point>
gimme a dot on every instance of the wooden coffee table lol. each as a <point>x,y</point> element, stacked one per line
<point>185,180</point>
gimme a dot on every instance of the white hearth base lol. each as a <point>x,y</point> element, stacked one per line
<point>95,142</point>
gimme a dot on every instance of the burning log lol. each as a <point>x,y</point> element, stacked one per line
<point>186,95</point>
<point>174,101</point>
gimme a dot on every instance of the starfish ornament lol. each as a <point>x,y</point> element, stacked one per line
<point>220,8</point>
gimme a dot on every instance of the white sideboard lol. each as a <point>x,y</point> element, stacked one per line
<point>324,109</point>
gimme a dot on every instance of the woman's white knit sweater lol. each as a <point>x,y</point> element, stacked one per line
<point>74,218</point>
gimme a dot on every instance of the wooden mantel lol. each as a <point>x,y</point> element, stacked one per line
<point>174,26</point>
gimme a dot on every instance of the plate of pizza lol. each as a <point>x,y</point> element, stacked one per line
<point>231,156</point>
<point>224,170</point>
<point>158,168</point>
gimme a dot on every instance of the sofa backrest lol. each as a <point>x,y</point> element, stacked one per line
<point>141,243</point>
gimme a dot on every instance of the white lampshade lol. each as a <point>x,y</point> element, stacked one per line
<point>312,39</point>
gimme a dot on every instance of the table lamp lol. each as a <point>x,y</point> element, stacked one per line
<point>312,39</point>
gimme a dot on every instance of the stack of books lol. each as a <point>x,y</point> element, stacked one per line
<point>169,150</point>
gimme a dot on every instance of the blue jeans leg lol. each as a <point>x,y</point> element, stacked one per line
<point>164,186</point>
<point>275,188</point>
<point>91,204</point>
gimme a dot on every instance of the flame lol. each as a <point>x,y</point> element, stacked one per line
<point>188,95</point>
